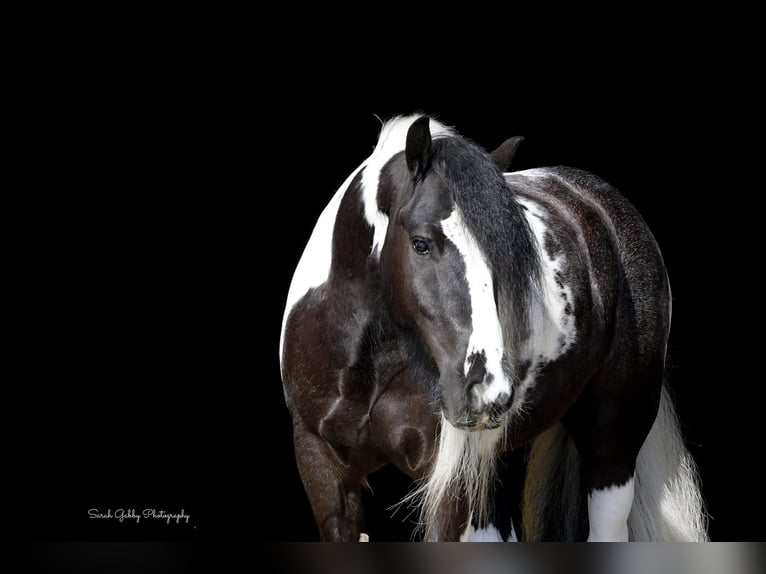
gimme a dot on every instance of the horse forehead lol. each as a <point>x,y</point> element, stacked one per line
<point>391,142</point>
<point>430,202</point>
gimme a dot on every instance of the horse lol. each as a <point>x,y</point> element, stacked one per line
<point>460,322</point>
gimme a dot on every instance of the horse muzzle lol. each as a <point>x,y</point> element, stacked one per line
<point>482,404</point>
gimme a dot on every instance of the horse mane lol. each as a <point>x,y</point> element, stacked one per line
<point>495,219</point>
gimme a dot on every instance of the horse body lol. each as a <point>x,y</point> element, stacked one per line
<point>437,296</point>
<point>597,256</point>
<point>598,372</point>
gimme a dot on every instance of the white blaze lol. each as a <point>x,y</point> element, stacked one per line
<point>486,333</point>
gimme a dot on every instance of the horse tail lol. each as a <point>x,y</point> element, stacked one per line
<point>667,504</point>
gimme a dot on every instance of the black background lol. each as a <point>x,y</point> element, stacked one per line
<point>170,197</point>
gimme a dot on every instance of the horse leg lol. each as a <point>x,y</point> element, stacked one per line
<point>609,480</point>
<point>333,490</point>
<point>451,523</point>
<point>609,427</point>
<point>608,510</point>
<point>504,523</point>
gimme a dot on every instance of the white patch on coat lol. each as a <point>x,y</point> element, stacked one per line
<point>313,268</point>
<point>488,534</point>
<point>608,511</point>
<point>553,330</point>
<point>486,331</point>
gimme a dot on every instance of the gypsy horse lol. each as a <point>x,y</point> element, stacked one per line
<point>457,322</point>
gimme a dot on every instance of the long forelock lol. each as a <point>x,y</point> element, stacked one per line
<point>391,140</point>
<point>495,219</point>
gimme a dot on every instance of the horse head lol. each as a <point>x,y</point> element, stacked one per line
<point>438,281</point>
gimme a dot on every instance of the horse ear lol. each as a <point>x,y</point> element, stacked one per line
<point>503,155</point>
<point>418,148</point>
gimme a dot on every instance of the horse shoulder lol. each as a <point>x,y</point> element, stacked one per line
<point>403,423</point>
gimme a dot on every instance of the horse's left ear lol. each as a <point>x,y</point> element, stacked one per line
<point>503,155</point>
<point>418,148</point>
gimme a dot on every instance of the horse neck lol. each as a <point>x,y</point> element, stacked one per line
<point>354,281</point>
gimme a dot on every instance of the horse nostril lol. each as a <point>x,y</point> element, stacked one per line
<point>474,387</point>
<point>475,374</point>
<point>472,381</point>
<point>501,404</point>
<point>473,394</point>
<point>502,400</point>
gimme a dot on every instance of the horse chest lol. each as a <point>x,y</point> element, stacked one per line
<point>403,426</point>
<point>369,426</point>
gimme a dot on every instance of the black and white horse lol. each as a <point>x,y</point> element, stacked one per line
<point>520,315</point>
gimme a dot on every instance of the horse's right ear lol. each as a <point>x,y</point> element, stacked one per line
<point>418,148</point>
<point>503,155</point>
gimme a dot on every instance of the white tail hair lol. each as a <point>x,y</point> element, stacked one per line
<point>667,504</point>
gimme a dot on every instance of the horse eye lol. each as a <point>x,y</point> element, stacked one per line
<point>420,246</point>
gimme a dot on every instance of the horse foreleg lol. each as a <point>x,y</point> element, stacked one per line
<point>504,520</point>
<point>451,523</point>
<point>609,443</point>
<point>609,425</point>
<point>333,492</point>
<point>608,510</point>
